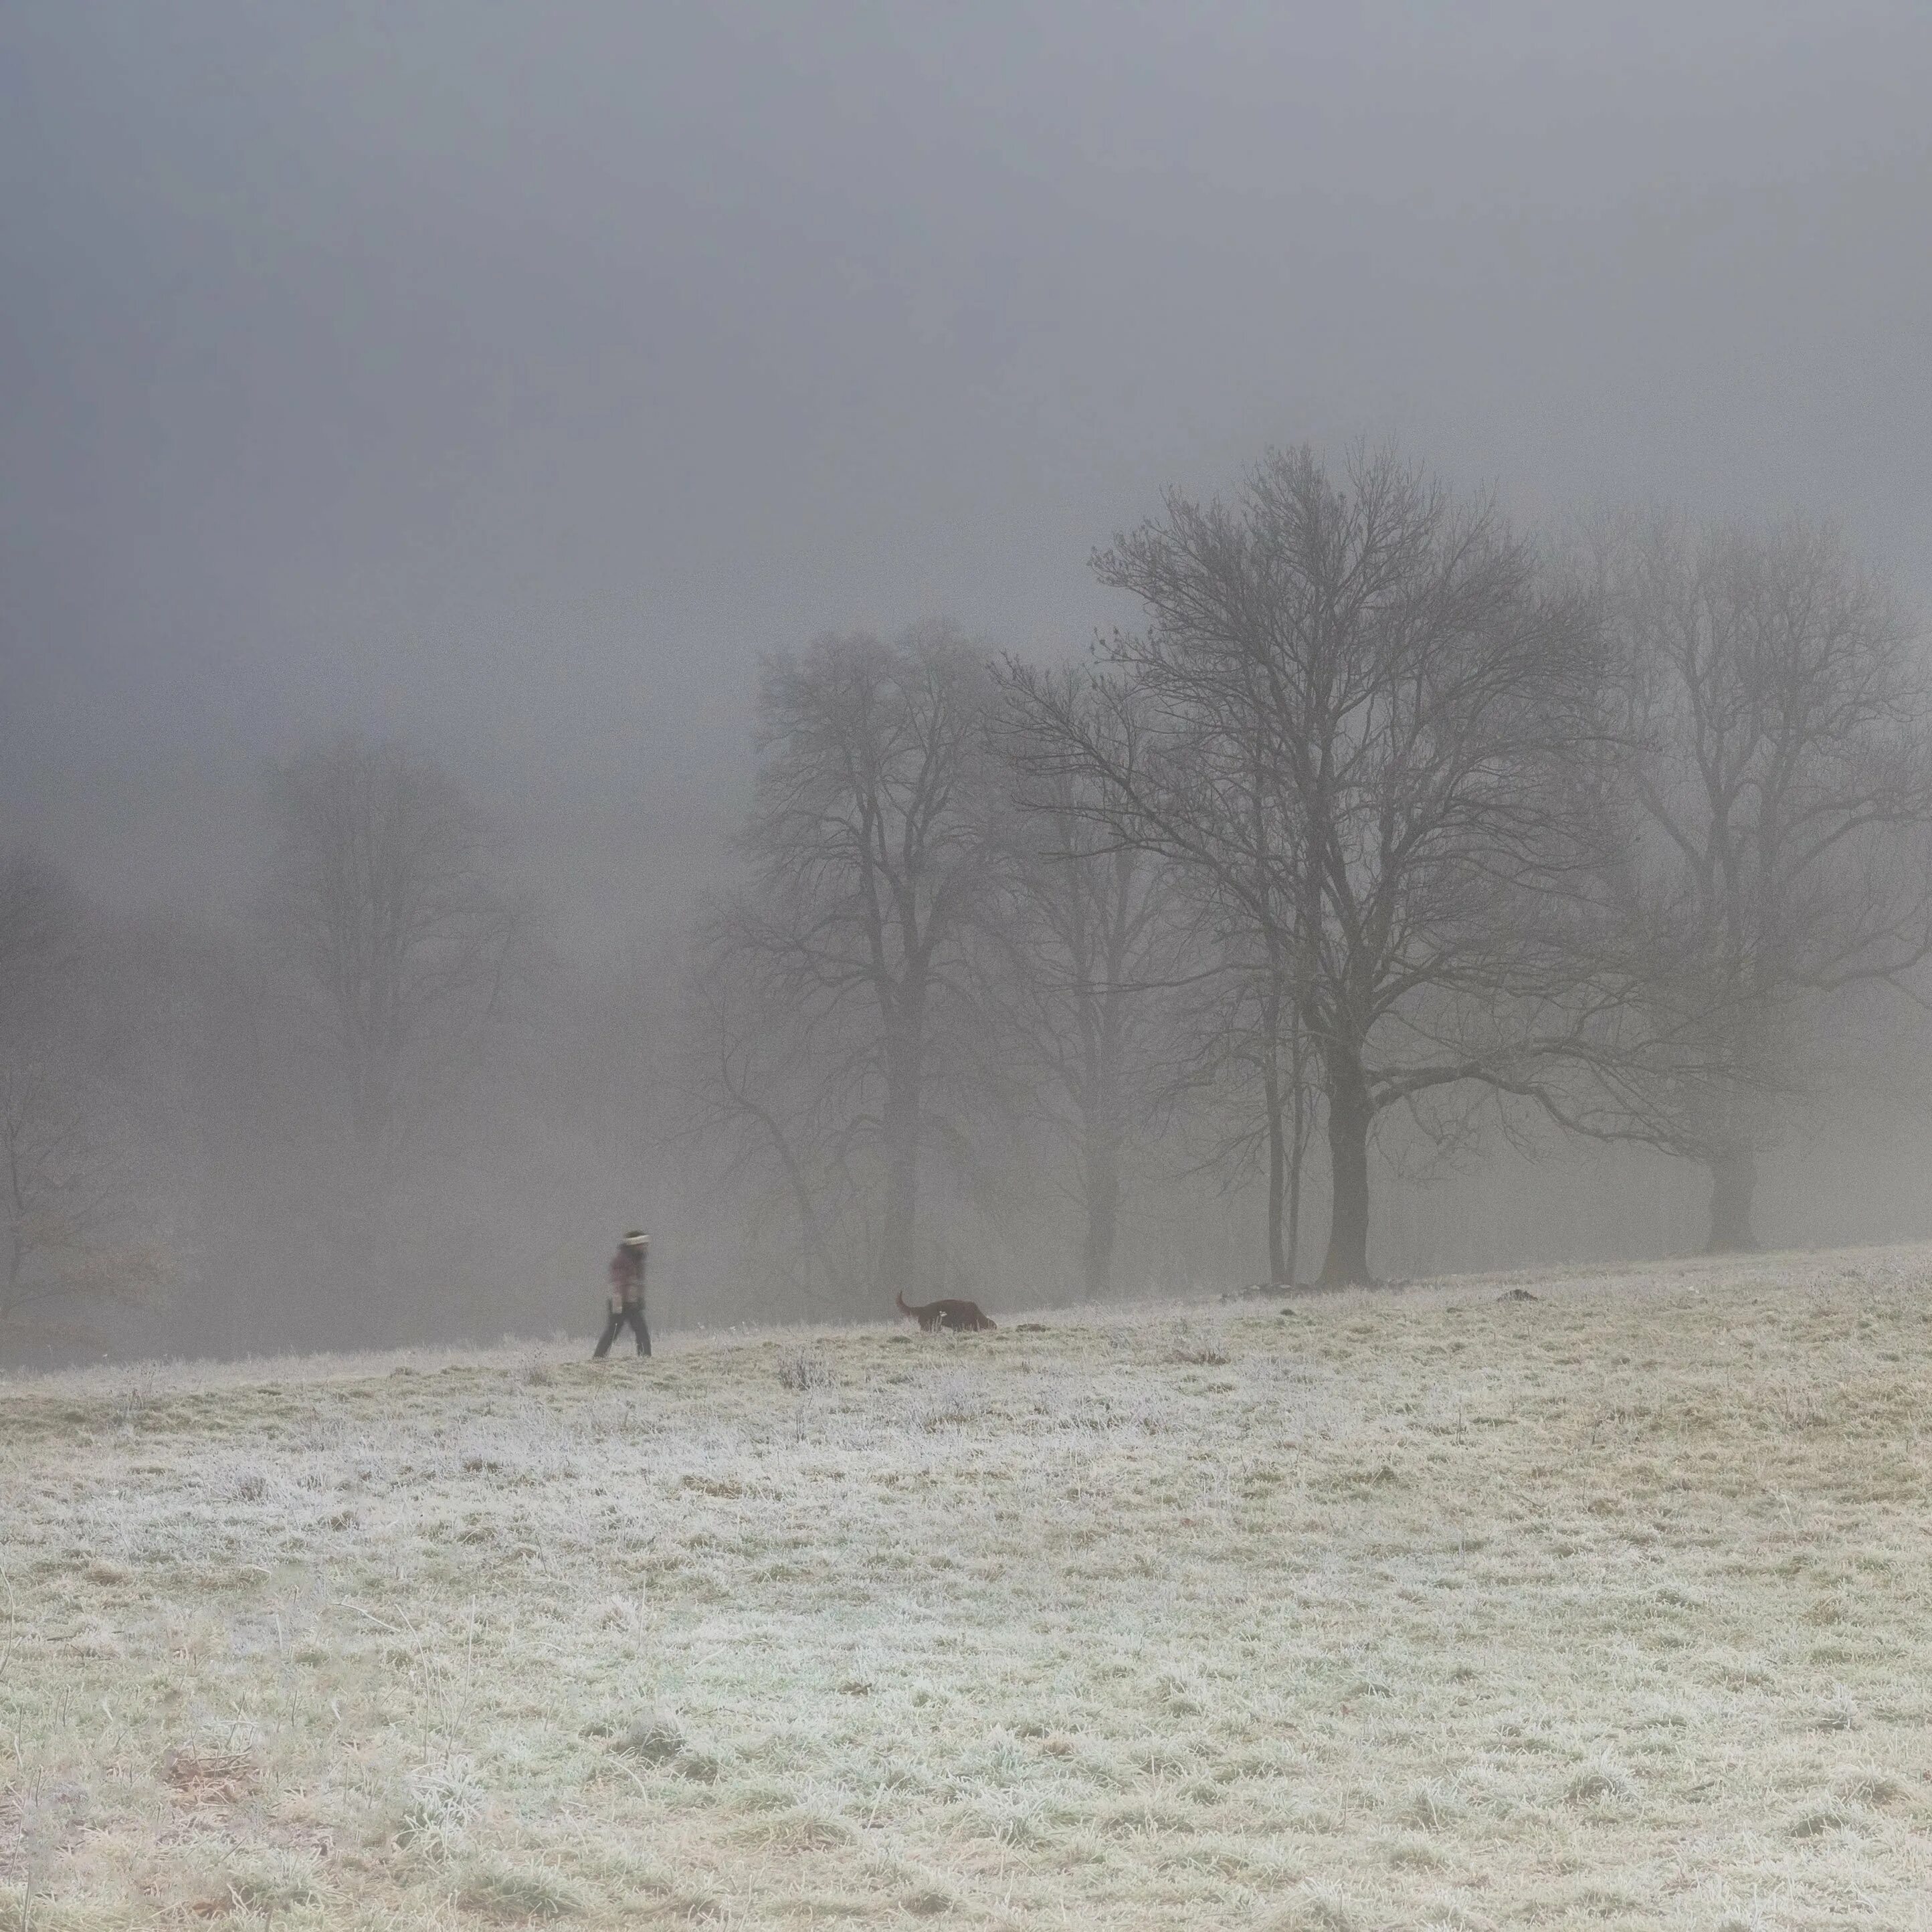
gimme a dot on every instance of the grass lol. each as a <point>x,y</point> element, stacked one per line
<point>1609,1607</point>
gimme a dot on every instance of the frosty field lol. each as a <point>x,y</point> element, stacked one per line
<point>1610,1607</point>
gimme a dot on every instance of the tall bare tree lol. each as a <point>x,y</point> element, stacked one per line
<point>772,1096</point>
<point>1091,752</point>
<point>873,838</point>
<point>1093,938</point>
<point>383,894</point>
<point>1237,1043</point>
<point>71,1232</point>
<point>1364,695</point>
<point>1777,709</point>
<point>71,1219</point>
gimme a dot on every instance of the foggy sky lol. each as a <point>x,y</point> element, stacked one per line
<point>508,376</point>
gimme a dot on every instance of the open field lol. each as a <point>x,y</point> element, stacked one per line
<point>1613,1607</point>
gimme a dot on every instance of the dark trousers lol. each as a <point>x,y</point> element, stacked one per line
<point>632,1311</point>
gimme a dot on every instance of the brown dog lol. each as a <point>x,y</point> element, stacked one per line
<point>966,1315</point>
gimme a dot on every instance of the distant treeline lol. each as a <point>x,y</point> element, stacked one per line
<point>1390,837</point>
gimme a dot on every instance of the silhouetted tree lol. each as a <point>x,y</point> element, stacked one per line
<point>383,896</point>
<point>71,1228</point>
<point>69,1204</point>
<point>1091,938</point>
<point>872,842</point>
<point>1236,1043</point>
<point>1778,718</point>
<point>1363,698</point>
<point>773,1099</point>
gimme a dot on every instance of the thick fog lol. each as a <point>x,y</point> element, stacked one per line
<point>505,385</point>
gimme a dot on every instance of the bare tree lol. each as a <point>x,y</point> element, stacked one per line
<point>1242,1022</point>
<point>1238,1044</point>
<point>766,1095</point>
<point>382,896</point>
<point>1092,937</point>
<point>1363,698</point>
<point>872,839</point>
<point>69,1204</point>
<point>1776,711</point>
<point>71,1231</point>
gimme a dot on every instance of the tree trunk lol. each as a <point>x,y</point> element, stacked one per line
<point>1277,1162</point>
<point>1297,1155</point>
<point>1103,1206</point>
<point>1733,1181</point>
<point>896,1254</point>
<point>901,1125</point>
<point>1348,1118</point>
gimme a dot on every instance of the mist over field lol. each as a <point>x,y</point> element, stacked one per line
<point>470,478</point>
<point>965,965</point>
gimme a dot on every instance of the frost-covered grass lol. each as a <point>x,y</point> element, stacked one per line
<point>1611,1607</point>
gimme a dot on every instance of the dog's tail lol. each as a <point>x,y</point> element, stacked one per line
<point>899,1297</point>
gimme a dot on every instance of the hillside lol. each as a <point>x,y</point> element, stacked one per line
<point>1611,1606</point>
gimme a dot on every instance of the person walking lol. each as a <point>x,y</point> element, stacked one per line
<point>627,1293</point>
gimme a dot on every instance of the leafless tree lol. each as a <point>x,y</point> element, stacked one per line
<point>1241,1073</point>
<point>1237,1023</point>
<point>69,1204</point>
<point>769,1100</point>
<point>1776,708</point>
<point>383,896</point>
<point>1093,939</point>
<point>872,839</point>
<point>70,1223</point>
<point>1362,697</point>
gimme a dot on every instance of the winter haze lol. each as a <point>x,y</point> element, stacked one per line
<point>505,383</point>
<point>1152,783</point>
